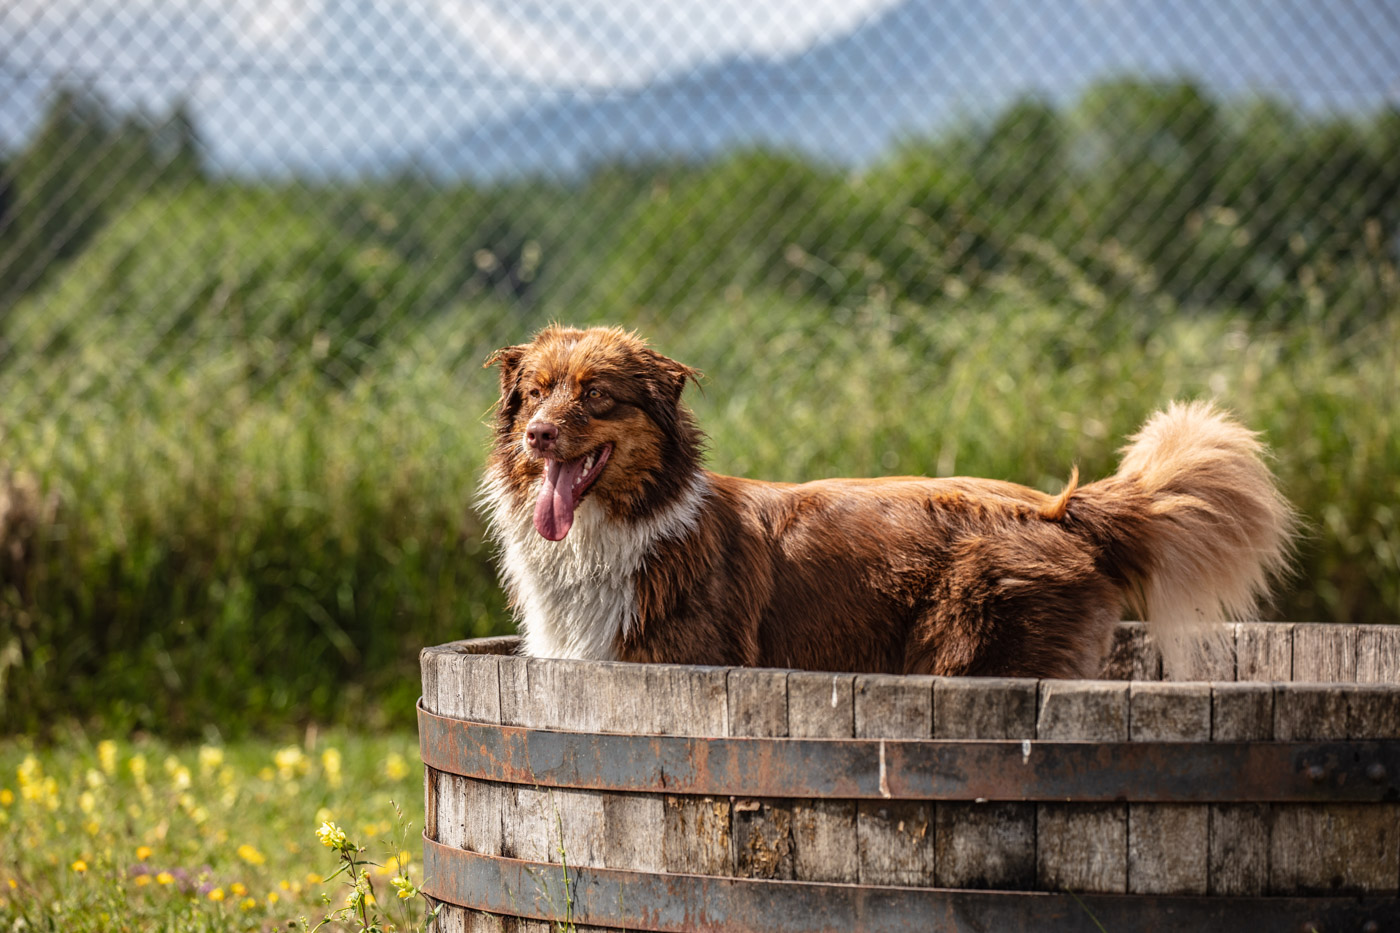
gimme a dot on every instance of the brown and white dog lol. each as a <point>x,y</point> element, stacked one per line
<point>617,544</point>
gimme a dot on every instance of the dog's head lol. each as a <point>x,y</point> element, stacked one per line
<point>592,413</point>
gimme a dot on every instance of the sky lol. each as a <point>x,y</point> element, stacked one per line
<point>336,85</point>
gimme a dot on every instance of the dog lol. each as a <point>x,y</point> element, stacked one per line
<point>615,543</point>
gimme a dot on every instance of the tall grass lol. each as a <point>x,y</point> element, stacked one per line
<point>227,543</point>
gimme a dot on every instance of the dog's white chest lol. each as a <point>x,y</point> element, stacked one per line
<point>577,597</point>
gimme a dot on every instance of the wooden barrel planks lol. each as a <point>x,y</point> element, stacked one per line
<point>1264,796</point>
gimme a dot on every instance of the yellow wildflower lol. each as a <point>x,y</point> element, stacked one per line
<point>266,774</point>
<point>272,898</point>
<point>7,797</point>
<point>217,894</point>
<point>284,885</point>
<point>211,757</point>
<point>143,853</point>
<point>331,836</point>
<point>237,889</point>
<point>87,801</point>
<point>313,878</point>
<point>247,903</point>
<point>251,855</point>
<point>181,777</point>
<point>79,866</point>
<point>94,778</point>
<point>395,767</point>
<point>107,756</point>
<point>136,764</point>
<point>324,814</point>
<point>404,887</point>
<point>330,763</point>
<point>165,877</point>
<point>142,880</point>
<point>290,762</point>
<point>92,827</point>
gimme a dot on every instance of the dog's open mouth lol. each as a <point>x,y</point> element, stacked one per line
<point>565,482</point>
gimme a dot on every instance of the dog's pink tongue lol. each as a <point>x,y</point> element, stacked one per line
<point>554,510</point>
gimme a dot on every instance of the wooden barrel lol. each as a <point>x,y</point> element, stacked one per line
<point>590,795</point>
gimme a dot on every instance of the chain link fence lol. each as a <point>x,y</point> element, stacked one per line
<point>253,253</point>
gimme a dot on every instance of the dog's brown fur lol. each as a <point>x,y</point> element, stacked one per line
<point>942,576</point>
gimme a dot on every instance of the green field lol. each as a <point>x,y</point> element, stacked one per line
<point>143,835</point>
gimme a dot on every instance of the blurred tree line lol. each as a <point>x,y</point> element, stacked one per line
<point>1144,187</point>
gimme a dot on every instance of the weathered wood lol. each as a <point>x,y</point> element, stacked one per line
<point>1338,848</point>
<point>1082,847</point>
<point>1168,844</point>
<point>895,838</point>
<point>1373,711</point>
<point>697,835</point>
<point>1239,832</point>
<point>985,845</point>
<point>1324,653</point>
<point>1213,656</point>
<point>634,831</point>
<point>1378,654</point>
<point>691,701</point>
<point>757,702</point>
<point>825,846</point>
<point>1264,651</point>
<point>1133,655</point>
<point>761,830</point>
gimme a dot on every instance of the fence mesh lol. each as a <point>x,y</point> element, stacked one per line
<point>253,254</point>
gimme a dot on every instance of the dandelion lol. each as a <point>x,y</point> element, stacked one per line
<point>107,756</point>
<point>142,880</point>
<point>79,866</point>
<point>217,894</point>
<point>92,827</point>
<point>285,885</point>
<point>251,855</point>
<point>165,877</point>
<point>247,903</point>
<point>143,853</point>
<point>7,797</point>
<point>272,898</point>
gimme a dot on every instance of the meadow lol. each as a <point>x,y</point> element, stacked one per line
<point>126,835</point>
<point>242,425</point>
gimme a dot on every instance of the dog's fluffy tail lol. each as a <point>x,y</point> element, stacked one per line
<point>1194,525</point>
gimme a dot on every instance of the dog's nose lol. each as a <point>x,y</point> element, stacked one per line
<point>541,435</point>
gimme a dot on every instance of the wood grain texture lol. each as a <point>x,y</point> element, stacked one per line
<point>825,843</point>
<point>895,838</point>
<point>992,844</point>
<point>761,829</point>
<point>1324,653</point>
<point>1264,651</point>
<point>1239,832</point>
<point>1378,654</point>
<point>1214,658</point>
<point>1133,655</point>
<point>1169,844</point>
<point>1330,848</point>
<point>1082,847</point>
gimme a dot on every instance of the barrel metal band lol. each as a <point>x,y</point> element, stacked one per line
<point>916,769</point>
<point>684,903</point>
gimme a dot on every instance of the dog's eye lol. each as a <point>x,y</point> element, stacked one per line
<point>534,393</point>
<point>595,393</point>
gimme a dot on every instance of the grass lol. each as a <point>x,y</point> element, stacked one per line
<point>148,836</point>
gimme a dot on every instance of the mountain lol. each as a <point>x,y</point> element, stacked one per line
<point>925,62</point>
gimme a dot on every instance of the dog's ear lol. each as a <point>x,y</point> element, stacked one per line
<point>509,359</point>
<point>668,377</point>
